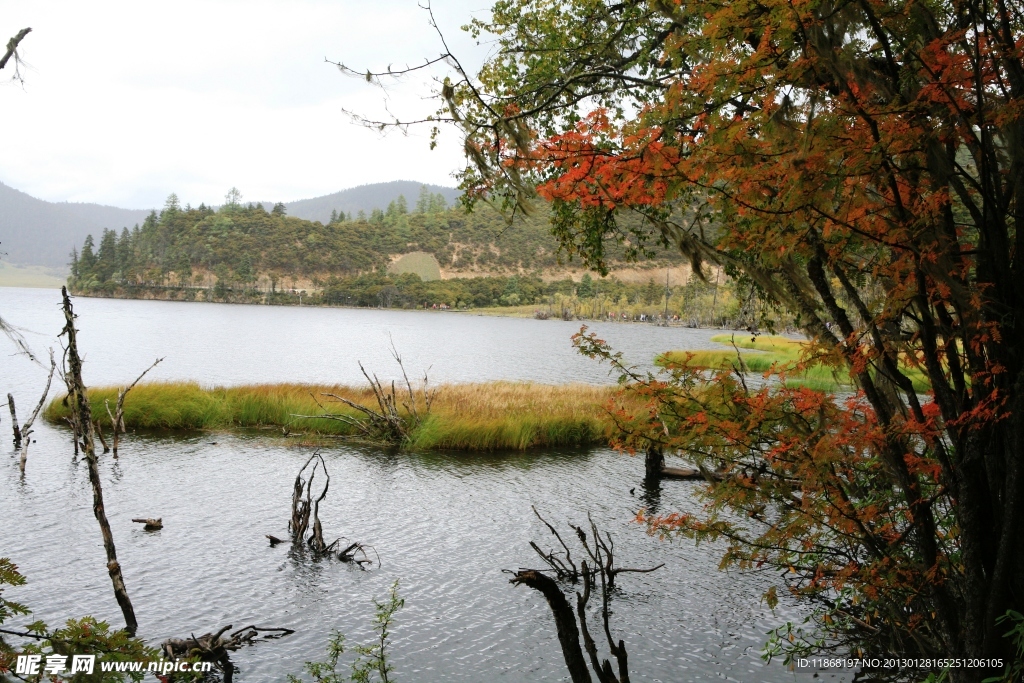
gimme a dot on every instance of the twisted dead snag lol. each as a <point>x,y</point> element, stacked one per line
<point>214,647</point>
<point>304,505</point>
<point>81,411</point>
<point>599,572</point>
<point>306,509</point>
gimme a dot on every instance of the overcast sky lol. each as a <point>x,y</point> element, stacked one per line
<point>126,102</point>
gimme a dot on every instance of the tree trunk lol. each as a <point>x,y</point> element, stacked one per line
<point>654,463</point>
<point>14,421</point>
<point>79,402</point>
<point>565,621</point>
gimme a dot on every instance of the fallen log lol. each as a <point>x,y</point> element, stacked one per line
<point>681,473</point>
<point>150,524</point>
<point>687,473</point>
<point>214,647</point>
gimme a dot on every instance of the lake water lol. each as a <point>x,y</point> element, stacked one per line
<point>445,524</point>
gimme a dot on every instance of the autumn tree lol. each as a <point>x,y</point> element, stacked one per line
<point>859,164</point>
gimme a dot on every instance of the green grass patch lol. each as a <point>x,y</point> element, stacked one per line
<point>419,262</point>
<point>477,417</point>
<point>768,351</point>
<point>29,276</point>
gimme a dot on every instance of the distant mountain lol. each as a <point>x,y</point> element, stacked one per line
<point>41,233</point>
<point>363,198</point>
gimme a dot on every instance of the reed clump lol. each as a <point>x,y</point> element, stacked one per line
<point>780,352</point>
<point>487,416</point>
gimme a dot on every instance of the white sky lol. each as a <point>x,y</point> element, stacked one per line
<point>126,102</point>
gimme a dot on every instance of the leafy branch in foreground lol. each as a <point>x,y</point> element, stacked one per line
<point>799,482</point>
<point>372,662</point>
<point>862,165</point>
<point>85,636</point>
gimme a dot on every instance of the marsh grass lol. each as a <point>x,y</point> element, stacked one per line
<point>491,416</point>
<point>776,351</point>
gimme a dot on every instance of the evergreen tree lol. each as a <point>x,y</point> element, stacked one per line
<point>586,287</point>
<point>87,261</point>
<point>438,204</point>
<point>106,257</point>
<point>279,210</point>
<point>124,254</point>
<point>424,204</point>
<point>171,204</point>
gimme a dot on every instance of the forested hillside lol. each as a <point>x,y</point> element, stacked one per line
<point>250,246</point>
<point>42,233</point>
<point>36,232</point>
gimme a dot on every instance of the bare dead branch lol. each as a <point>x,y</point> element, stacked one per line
<point>598,570</point>
<point>12,47</point>
<point>26,429</point>
<point>78,400</point>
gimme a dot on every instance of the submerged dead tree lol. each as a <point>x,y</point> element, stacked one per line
<point>214,647</point>
<point>117,416</point>
<point>25,432</point>
<point>78,400</point>
<point>306,511</point>
<point>14,421</point>
<point>597,574</point>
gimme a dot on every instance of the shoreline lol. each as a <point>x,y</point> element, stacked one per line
<point>529,311</point>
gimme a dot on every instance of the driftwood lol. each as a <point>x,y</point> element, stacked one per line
<point>25,433</point>
<point>117,416</point>
<point>214,647</point>
<point>599,572</point>
<point>78,401</point>
<point>150,523</point>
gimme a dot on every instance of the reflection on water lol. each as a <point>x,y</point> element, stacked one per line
<point>445,524</point>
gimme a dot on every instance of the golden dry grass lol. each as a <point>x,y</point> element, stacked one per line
<point>489,416</point>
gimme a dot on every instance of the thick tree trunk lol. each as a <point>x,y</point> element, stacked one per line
<point>654,463</point>
<point>79,402</point>
<point>565,621</point>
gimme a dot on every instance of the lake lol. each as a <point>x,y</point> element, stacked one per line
<point>445,524</point>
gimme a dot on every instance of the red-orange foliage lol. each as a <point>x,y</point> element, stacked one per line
<point>862,163</point>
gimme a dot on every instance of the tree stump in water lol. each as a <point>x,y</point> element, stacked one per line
<point>150,524</point>
<point>654,463</point>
